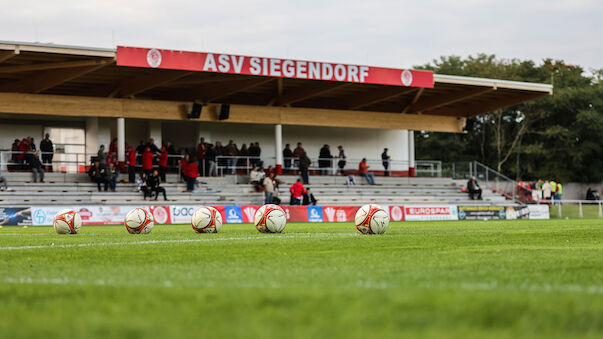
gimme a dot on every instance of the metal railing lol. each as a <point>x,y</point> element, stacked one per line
<point>575,208</point>
<point>327,166</point>
<point>63,162</point>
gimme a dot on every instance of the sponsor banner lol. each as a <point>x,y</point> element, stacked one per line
<point>182,214</point>
<point>315,214</point>
<point>233,214</point>
<point>43,215</point>
<point>396,213</point>
<point>429,212</point>
<point>296,213</point>
<point>539,212</point>
<point>272,67</point>
<point>249,212</point>
<point>15,216</point>
<point>517,212</point>
<point>339,213</point>
<point>482,212</point>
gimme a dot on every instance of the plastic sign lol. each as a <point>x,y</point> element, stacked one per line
<point>271,67</point>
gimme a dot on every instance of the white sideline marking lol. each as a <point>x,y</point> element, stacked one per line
<point>146,242</point>
<point>371,285</point>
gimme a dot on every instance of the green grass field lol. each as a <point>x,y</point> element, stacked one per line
<point>501,279</point>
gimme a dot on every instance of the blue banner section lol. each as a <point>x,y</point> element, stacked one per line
<point>315,213</point>
<point>233,214</point>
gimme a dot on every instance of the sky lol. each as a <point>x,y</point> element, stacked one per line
<point>396,34</point>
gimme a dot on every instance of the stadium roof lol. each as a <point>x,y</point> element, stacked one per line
<point>48,70</point>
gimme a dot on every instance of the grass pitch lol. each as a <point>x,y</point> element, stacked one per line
<point>502,279</point>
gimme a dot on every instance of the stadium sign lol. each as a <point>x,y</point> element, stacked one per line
<point>271,67</point>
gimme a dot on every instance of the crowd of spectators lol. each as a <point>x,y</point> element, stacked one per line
<point>540,190</point>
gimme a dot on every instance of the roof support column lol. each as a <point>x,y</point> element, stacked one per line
<point>411,153</point>
<point>278,142</point>
<point>121,141</point>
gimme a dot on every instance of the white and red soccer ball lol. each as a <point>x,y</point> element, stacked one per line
<point>67,221</point>
<point>371,219</point>
<point>270,218</point>
<point>206,219</point>
<point>139,221</point>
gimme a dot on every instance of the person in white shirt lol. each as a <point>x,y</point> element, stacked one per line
<point>546,190</point>
<point>254,178</point>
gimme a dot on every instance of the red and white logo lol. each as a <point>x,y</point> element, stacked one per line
<point>250,212</point>
<point>396,213</point>
<point>161,214</point>
<point>406,77</point>
<point>154,58</point>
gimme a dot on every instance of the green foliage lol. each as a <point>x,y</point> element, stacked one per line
<point>559,136</point>
<point>465,279</point>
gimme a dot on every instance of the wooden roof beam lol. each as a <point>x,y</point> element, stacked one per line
<point>146,82</point>
<point>414,100</point>
<point>8,54</point>
<point>40,82</point>
<point>214,92</point>
<point>494,104</point>
<point>444,100</point>
<point>377,96</point>
<point>54,65</point>
<point>304,93</point>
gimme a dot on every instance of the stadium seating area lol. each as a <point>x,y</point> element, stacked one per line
<point>61,188</point>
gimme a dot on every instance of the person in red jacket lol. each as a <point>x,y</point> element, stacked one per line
<point>297,191</point>
<point>163,160</point>
<point>201,150</point>
<point>131,164</point>
<point>147,161</point>
<point>190,171</point>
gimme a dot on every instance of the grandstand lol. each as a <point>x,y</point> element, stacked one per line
<point>233,190</point>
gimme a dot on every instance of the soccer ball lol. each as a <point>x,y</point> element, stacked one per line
<point>139,221</point>
<point>270,219</point>
<point>206,219</point>
<point>371,219</point>
<point>67,221</point>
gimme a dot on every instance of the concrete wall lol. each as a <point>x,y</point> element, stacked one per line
<point>577,191</point>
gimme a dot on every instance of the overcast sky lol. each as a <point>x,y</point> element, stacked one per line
<point>381,33</point>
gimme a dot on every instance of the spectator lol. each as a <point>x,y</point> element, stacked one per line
<point>97,174</point>
<point>297,191</point>
<point>559,193</point>
<point>473,189</point>
<point>141,147</point>
<point>546,190</point>
<point>553,189</point>
<point>36,167</point>
<point>231,152</point>
<point>324,160</point>
<point>111,176</point>
<point>243,154</point>
<point>23,157</point>
<point>201,150</point>
<point>363,170</point>
<point>3,182</point>
<point>341,163</point>
<point>254,178</point>
<point>151,144</point>
<point>141,186</point>
<point>268,184</point>
<point>131,165</point>
<point>113,146</point>
<point>190,172</point>
<point>15,155</point>
<point>32,144</point>
<point>163,162</point>
<point>147,161</point>
<point>309,198</point>
<point>171,151</point>
<point>299,150</point>
<point>590,194</point>
<point>219,152</point>
<point>304,165</point>
<point>287,156</point>
<point>254,153</point>
<point>153,185</point>
<point>210,160</point>
<point>101,156</point>
<point>385,160</point>
<point>47,150</point>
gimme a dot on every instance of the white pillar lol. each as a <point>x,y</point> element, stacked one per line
<point>155,131</point>
<point>121,140</point>
<point>411,153</point>
<point>91,136</point>
<point>278,142</point>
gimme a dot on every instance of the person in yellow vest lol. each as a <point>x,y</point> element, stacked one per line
<point>559,193</point>
<point>553,189</point>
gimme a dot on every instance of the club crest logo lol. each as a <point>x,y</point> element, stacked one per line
<point>154,58</point>
<point>160,214</point>
<point>396,213</point>
<point>406,77</point>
